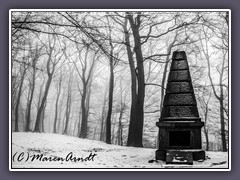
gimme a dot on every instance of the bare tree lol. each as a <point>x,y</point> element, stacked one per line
<point>52,61</point>
<point>59,86</point>
<point>219,95</point>
<point>23,70</point>
<point>23,63</point>
<point>36,55</point>
<point>103,117</point>
<point>68,104</point>
<point>85,76</point>
<point>206,104</point>
<point>111,86</point>
<point>135,133</point>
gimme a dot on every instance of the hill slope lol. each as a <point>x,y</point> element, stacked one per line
<point>45,150</point>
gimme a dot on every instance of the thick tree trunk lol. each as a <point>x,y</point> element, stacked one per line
<point>110,102</point>
<point>135,138</point>
<point>85,108</point>
<point>111,86</point>
<point>83,131</point>
<point>221,102</point>
<point>41,108</point>
<point>133,121</point>
<point>85,102</point>
<point>140,103</point>
<point>222,119</point>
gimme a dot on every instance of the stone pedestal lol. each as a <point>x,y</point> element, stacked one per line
<point>180,124</point>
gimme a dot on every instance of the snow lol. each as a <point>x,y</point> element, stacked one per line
<point>56,151</point>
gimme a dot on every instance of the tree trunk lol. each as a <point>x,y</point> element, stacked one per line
<point>18,99</point>
<point>103,129</point>
<point>68,107</point>
<point>50,71</point>
<point>133,121</point>
<point>221,102</point>
<point>135,136</point>
<point>85,77</point>
<point>110,102</point>
<point>205,128</point>
<point>83,131</point>
<point>41,108</point>
<point>102,132</point>
<point>32,88</point>
<point>207,138</point>
<point>56,105</point>
<point>103,124</point>
<point>120,140</point>
<point>219,97</point>
<point>43,117</point>
<point>223,133</point>
<point>111,86</point>
<point>60,119</point>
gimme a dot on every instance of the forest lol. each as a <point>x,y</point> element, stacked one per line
<point>102,75</point>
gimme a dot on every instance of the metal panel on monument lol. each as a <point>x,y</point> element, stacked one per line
<point>179,99</point>
<point>179,65</point>
<point>179,111</point>
<point>180,75</point>
<point>179,87</point>
<point>179,124</point>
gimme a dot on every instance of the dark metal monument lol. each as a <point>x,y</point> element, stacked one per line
<point>180,124</point>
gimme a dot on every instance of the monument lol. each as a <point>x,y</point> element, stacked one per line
<point>180,124</point>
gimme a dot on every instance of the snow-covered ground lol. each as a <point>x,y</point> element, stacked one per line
<point>59,151</point>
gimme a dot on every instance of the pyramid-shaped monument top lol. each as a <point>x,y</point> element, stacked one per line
<point>179,102</point>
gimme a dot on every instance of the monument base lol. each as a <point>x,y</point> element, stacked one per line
<point>197,154</point>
